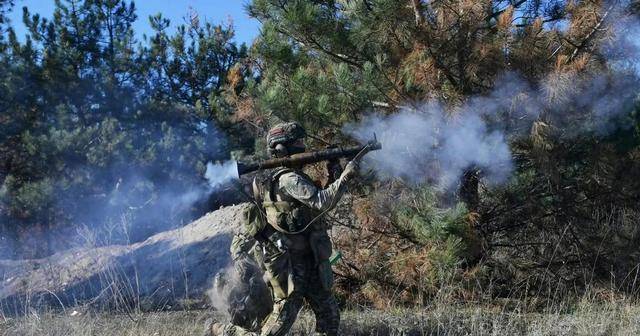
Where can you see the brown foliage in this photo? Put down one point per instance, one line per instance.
(387, 262)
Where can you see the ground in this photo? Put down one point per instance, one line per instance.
(589, 319)
(51, 296)
(161, 270)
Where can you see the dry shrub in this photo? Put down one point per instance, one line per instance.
(540, 132)
(418, 70)
(246, 111)
(582, 236)
(584, 16)
(558, 87)
(506, 18)
(235, 78)
(581, 63)
(403, 249)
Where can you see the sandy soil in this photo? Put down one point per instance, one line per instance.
(171, 265)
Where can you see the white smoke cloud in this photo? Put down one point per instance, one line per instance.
(435, 144)
(623, 49)
(466, 142)
(220, 173)
(220, 291)
(425, 145)
(217, 175)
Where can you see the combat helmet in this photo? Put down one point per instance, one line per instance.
(283, 138)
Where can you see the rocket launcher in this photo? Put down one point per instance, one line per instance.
(352, 152)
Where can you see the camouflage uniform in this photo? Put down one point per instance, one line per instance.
(295, 253)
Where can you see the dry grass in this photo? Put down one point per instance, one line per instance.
(585, 318)
(596, 312)
(152, 324)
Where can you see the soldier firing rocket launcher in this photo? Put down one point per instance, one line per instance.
(354, 153)
(280, 224)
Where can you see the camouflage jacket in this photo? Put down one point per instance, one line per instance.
(295, 185)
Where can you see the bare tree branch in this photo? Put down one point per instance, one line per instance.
(593, 31)
(418, 13)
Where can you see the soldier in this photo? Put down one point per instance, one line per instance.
(294, 243)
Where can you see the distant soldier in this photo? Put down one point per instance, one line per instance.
(294, 244)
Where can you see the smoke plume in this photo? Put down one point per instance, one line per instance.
(432, 143)
(220, 291)
(241, 294)
(426, 145)
(220, 173)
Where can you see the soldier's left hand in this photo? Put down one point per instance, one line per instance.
(350, 170)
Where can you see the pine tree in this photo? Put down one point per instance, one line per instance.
(327, 63)
(96, 123)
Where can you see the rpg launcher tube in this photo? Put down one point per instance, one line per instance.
(300, 159)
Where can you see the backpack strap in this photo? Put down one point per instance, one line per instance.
(270, 199)
(273, 179)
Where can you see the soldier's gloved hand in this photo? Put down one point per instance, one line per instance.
(350, 171)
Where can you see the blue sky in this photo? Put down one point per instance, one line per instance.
(215, 11)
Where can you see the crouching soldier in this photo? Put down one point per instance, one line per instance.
(293, 243)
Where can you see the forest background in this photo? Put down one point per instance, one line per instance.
(99, 127)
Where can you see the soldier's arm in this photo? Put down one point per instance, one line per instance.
(305, 191)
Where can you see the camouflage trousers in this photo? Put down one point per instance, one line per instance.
(300, 279)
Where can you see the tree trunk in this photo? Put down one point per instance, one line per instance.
(468, 191)
(416, 10)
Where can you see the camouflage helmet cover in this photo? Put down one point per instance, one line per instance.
(284, 134)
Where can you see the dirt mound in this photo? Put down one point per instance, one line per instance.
(168, 267)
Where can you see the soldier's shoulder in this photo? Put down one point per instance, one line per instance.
(292, 178)
(291, 174)
(297, 185)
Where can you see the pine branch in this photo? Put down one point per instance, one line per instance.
(497, 13)
(593, 31)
